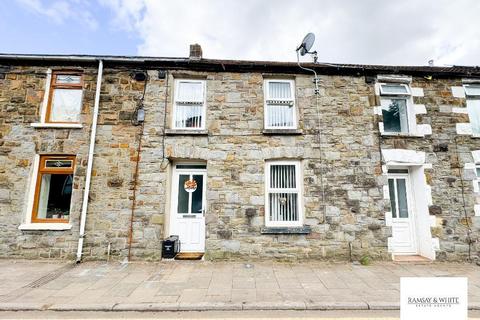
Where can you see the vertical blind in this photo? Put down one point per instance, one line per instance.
(190, 91)
(280, 110)
(189, 104)
(279, 90)
(283, 195)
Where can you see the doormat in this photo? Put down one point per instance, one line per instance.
(411, 258)
(189, 256)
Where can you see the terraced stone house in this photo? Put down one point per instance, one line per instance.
(105, 156)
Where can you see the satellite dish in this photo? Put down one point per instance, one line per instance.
(307, 44)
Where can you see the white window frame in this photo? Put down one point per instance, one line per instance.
(204, 104)
(44, 107)
(385, 93)
(471, 98)
(386, 99)
(476, 181)
(266, 85)
(470, 94)
(298, 190)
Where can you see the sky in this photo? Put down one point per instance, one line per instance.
(392, 32)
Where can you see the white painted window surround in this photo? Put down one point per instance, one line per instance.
(471, 92)
(475, 167)
(279, 104)
(45, 226)
(57, 125)
(283, 190)
(43, 110)
(415, 162)
(27, 224)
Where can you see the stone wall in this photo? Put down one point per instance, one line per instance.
(21, 94)
(453, 198)
(342, 154)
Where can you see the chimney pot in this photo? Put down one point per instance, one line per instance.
(195, 52)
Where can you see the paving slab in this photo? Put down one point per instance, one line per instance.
(203, 285)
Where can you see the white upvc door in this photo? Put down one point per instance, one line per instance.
(403, 218)
(188, 206)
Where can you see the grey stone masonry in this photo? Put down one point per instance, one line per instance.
(337, 141)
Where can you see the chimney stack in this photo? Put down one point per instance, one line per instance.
(195, 52)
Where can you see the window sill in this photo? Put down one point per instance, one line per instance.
(282, 131)
(402, 134)
(286, 230)
(57, 125)
(173, 132)
(45, 226)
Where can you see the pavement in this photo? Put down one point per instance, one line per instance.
(214, 286)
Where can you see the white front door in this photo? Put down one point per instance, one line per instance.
(188, 206)
(403, 219)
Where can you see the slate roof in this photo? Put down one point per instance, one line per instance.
(216, 65)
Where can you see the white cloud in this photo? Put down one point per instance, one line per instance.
(348, 31)
(61, 11)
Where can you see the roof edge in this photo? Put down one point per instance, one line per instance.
(219, 65)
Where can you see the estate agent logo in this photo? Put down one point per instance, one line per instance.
(433, 298)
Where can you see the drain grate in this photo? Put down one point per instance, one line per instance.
(35, 284)
(49, 277)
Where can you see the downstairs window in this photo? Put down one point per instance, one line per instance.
(283, 194)
(53, 191)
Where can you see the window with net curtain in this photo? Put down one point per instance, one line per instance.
(189, 107)
(65, 100)
(53, 191)
(283, 198)
(280, 110)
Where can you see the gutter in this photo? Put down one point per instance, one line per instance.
(216, 65)
(93, 133)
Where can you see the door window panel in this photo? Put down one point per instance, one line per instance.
(197, 195)
(402, 198)
(397, 188)
(391, 189)
(183, 196)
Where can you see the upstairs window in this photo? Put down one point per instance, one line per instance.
(477, 180)
(473, 106)
(395, 100)
(280, 110)
(189, 106)
(53, 191)
(283, 196)
(65, 100)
